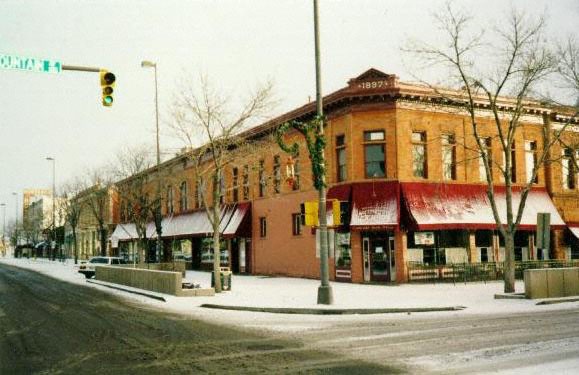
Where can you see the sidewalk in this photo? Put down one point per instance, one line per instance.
(258, 293)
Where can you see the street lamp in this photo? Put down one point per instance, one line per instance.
(150, 64)
(16, 219)
(53, 202)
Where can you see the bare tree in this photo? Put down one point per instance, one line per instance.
(134, 190)
(502, 72)
(70, 209)
(568, 69)
(98, 201)
(204, 121)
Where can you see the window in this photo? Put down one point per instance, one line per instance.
(262, 227)
(432, 256)
(262, 181)
(568, 169)
(199, 194)
(372, 136)
(245, 182)
(484, 255)
(341, 158)
(486, 144)
(276, 174)
(169, 203)
(296, 224)
(221, 191)
(448, 157)
(531, 160)
(419, 158)
(375, 164)
(183, 196)
(518, 254)
(235, 184)
(296, 182)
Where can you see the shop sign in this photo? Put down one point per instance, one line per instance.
(424, 238)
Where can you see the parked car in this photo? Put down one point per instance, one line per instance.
(186, 258)
(88, 268)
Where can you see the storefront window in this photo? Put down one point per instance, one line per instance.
(207, 251)
(343, 250)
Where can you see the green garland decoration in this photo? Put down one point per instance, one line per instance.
(315, 142)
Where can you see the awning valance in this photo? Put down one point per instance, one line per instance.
(374, 205)
(235, 220)
(128, 231)
(462, 206)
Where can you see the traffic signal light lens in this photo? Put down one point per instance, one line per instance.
(109, 78)
(108, 100)
(108, 90)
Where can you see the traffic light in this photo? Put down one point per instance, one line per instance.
(107, 84)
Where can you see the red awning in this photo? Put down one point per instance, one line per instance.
(340, 192)
(461, 206)
(574, 228)
(239, 224)
(375, 205)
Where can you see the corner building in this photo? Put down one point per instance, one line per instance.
(406, 163)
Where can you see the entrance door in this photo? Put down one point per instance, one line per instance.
(379, 259)
(235, 255)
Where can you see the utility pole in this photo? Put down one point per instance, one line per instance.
(3, 205)
(16, 234)
(325, 294)
(53, 205)
(159, 250)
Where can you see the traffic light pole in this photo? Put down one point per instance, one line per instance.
(81, 68)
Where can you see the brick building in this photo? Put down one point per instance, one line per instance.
(406, 163)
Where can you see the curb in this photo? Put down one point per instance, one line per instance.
(560, 300)
(145, 294)
(510, 296)
(314, 311)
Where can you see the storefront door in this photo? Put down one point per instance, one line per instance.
(379, 260)
(375, 249)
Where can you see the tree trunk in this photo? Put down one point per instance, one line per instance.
(509, 262)
(216, 251)
(74, 245)
(103, 240)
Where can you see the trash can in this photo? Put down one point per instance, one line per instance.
(225, 278)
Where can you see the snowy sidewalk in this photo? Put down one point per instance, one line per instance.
(284, 292)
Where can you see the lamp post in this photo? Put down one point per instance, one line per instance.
(325, 294)
(159, 250)
(53, 204)
(3, 205)
(16, 234)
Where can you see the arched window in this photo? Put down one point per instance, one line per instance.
(169, 203)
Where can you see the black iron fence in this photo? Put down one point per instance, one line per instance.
(463, 272)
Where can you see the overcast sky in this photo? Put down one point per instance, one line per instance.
(237, 44)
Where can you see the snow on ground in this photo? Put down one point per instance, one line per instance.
(259, 291)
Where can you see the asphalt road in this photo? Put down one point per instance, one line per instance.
(540, 342)
(51, 327)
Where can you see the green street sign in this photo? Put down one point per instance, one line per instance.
(30, 64)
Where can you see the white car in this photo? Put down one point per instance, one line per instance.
(88, 268)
